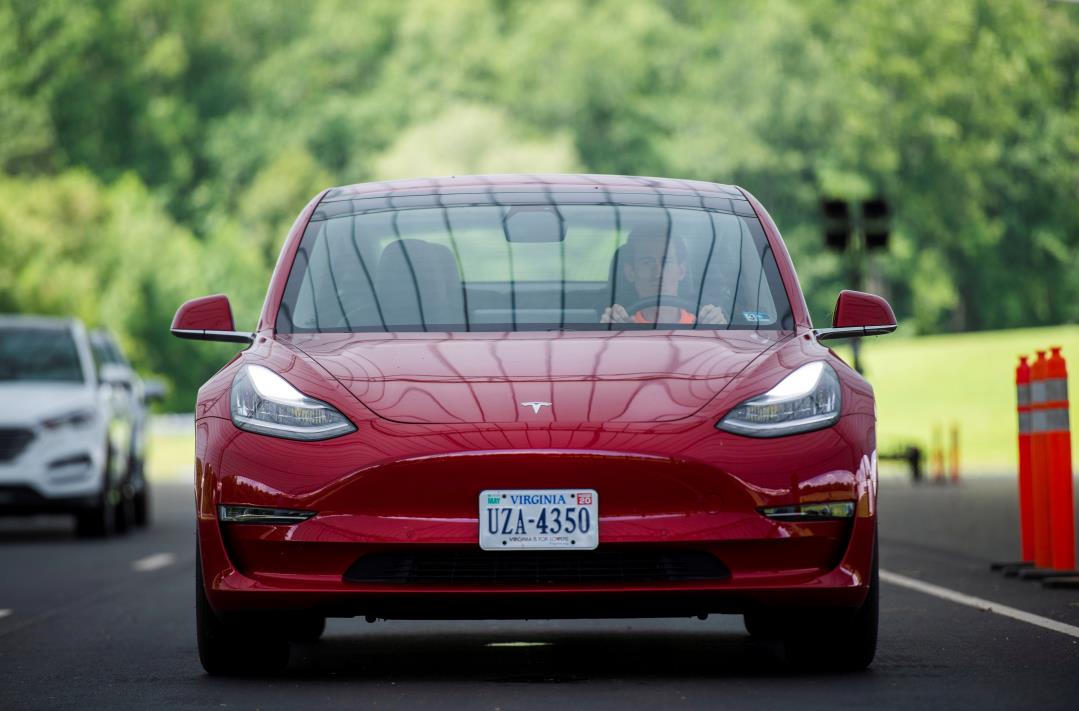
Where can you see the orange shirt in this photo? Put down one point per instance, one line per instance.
(683, 317)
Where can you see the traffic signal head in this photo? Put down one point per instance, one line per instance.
(837, 224)
(875, 214)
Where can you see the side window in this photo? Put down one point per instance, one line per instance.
(100, 352)
(116, 355)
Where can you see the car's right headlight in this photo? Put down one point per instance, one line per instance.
(807, 399)
(264, 402)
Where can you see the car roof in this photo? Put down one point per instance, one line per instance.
(511, 188)
(560, 181)
(102, 334)
(36, 321)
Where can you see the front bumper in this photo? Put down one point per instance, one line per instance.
(54, 472)
(426, 501)
(24, 500)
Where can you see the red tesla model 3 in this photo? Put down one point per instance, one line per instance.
(535, 397)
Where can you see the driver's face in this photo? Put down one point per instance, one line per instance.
(649, 273)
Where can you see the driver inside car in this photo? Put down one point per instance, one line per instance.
(656, 269)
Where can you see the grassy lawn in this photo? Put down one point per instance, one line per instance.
(966, 379)
(171, 457)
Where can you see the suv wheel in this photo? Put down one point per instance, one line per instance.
(98, 520)
(142, 506)
(125, 511)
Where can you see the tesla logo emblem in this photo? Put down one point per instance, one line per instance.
(535, 406)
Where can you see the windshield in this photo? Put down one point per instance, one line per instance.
(39, 354)
(532, 267)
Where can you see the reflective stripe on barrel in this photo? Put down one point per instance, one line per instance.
(1022, 394)
(1055, 420)
(1055, 390)
(1052, 413)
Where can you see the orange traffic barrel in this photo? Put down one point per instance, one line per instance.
(1026, 483)
(1058, 445)
(936, 455)
(953, 453)
(1039, 462)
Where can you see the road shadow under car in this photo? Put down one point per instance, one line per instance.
(550, 652)
(36, 529)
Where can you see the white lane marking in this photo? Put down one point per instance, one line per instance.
(4, 613)
(979, 603)
(154, 562)
(518, 644)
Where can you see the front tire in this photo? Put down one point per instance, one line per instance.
(840, 640)
(142, 506)
(307, 629)
(98, 520)
(235, 648)
(125, 512)
(763, 625)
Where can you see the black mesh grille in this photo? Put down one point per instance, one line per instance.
(466, 567)
(13, 442)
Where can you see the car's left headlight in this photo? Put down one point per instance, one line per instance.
(75, 418)
(807, 399)
(264, 402)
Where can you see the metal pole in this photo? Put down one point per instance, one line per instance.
(856, 267)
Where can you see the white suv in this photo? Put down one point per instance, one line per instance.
(59, 427)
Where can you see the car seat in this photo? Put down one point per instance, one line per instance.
(418, 284)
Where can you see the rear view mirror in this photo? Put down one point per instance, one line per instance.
(533, 223)
(859, 314)
(208, 318)
(113, 374)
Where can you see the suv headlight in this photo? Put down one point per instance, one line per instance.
(264, 402)
(807, 399)
(75, 418)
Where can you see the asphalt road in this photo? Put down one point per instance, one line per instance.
(111, 624)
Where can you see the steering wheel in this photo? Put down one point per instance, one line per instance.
(662, 300)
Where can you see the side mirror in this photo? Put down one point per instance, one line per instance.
(208, 318)
(113, 374)
(153, 390)
(858, 314)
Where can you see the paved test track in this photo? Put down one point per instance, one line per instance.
(110, 624)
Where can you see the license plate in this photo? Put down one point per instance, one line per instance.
(539, 519)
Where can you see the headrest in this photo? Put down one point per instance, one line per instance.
(418, 284)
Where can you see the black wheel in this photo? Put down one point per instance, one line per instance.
(840, 640)
(142, 506)
(98, 520)
(307, 629)
(764, 624)
(124, 511)
(237, 647)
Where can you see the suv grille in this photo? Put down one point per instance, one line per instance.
(466, 567)
(13, 442)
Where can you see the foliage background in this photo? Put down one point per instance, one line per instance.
(153, 150)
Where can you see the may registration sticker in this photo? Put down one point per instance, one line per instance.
(539, 519)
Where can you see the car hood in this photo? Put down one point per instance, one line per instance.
(568, 377)
(25, 404)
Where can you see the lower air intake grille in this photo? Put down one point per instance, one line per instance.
(13, 442)
(468, 567)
